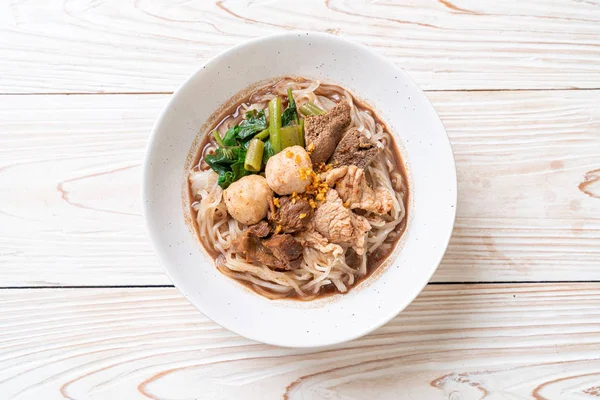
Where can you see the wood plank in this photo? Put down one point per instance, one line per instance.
(70, 176)
(529, 185)
(143, 46)
(528, 168)
(528, 341)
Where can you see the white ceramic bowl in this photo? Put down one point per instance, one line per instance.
(425, 150)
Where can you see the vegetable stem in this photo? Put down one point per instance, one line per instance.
(291, 103)
(254, 155)
(262, 135)
(301, 133)
(275, 124)
(218, 139)
(290, 136)
(309, 108)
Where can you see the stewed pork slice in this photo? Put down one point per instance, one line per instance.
(289, 215)
(279, 252)
(355, 192)
(286, 249)
(339, 224)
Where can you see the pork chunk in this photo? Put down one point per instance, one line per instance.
(279, 252)
(261, 230)
(286, 249)
(291, 216)
(339, 224)
(314, 239)
(352, 186)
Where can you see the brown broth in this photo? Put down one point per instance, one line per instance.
(374, 261)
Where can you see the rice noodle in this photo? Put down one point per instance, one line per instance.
(321, 266)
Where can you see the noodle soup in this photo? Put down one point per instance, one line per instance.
(299, 191)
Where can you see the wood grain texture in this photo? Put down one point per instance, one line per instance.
(70, 175)
(529, 185)
(149, 46)
(528, 169)
(454, 342)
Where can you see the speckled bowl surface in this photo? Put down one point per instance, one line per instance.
(424, 147)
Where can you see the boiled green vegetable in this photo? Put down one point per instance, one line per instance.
(268, 152)
(262, 135)
(230, 138)
(224, 149)
(229, 160)
(311, 109)
(228, 163)
(275, 124)
(290, 115)
(289, 136)
(254, 155)
(301, 133)
(254, 122)
(245, 130)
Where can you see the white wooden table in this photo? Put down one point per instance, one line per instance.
(513, 311)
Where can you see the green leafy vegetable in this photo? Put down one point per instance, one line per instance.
(228, 164)
(230, 138)
(267, 152)
(218, 139)
(238, 168)
(224, 149)
(254, 122)
(228, 161)
(290, 115)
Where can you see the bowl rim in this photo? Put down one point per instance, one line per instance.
(154, 237)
